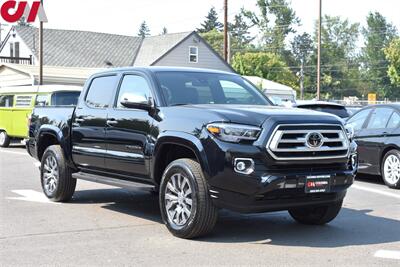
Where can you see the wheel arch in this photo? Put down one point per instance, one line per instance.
(49, 135)
(188, 145)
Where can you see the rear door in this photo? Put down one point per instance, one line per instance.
(89, 124)
(128, 131)
(372, 138)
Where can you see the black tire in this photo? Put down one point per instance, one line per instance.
(316, 215)
(4, 139)
(204, 214)
(65, 186)
(388, 182)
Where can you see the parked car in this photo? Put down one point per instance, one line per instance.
(204, 139)
(322, 106)
(16, 104)
(377, 133)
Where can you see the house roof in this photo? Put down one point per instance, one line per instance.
(90, 49)
(155, 47)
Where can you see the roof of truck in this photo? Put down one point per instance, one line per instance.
(39, 89)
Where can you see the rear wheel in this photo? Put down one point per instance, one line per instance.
(316, 215)
(4, 139)
(391, 169)
(56, 178)
(186, 207)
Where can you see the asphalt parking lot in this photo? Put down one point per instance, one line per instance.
(104, 225)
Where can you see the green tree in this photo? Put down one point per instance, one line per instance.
(164, 30)
(211, 22)
(340, 63)
(240, 31)
(377, 35)
(215, 39)
(266, 65)
(302, 48)
(276, 20)
(144, 30)
(393, 56)
(23, 22)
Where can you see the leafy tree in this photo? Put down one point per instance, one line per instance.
(240, 31)
(164, 31)
(340, 64)
(144, 30)
(302, 48)
(276, 19)
(215, 39)
(266, 65)
(211, 22)
(393, 56)
(377, 34)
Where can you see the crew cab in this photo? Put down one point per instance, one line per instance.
(203, 139)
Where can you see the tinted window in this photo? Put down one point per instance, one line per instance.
(357, 121)
(181, 88)
(6, 101)
(101, 92)
(65, 98)
(379, 118)
(335, 110)
(42, 100)
(135, 85)
(394, 121)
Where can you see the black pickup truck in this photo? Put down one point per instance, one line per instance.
(203, 139)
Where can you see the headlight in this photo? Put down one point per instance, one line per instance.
(233, 132)
(349, 131)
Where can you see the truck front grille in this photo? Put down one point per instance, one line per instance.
(307, 142)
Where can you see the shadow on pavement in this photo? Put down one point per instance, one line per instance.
(374, 179)
(351, 227)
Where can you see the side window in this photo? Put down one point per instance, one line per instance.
(394, 121)
(6, 101)
(101, 92)
(133, 85)
(357, 121)
(42, 100)
(379, 118)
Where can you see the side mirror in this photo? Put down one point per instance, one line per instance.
(137, 101)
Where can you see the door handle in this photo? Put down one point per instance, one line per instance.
(111, 122)
(79, 120)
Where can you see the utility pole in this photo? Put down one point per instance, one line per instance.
(319, 52)
(41, 51)
(302, 79)
(226, 30)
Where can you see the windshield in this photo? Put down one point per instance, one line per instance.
(183, 88)
(339, 111)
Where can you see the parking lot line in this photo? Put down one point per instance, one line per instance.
(31, 196)
(388, 254)
(13, 152)
(376, 191)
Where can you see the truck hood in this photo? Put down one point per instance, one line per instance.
(257, 115)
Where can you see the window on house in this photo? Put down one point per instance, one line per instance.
(11, 49)
(16, 49)
(193, 54)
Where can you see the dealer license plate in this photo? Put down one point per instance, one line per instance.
(318, 184)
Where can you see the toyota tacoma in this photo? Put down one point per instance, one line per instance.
(204, 140)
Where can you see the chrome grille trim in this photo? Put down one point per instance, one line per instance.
(335, 143)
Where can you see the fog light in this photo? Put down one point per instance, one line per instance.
(243, 166)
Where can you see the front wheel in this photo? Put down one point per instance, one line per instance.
(391, 169)
(56, 178)
(186, 207)
(4, 139)
(316, 215)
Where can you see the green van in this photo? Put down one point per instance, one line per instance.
(17, 103)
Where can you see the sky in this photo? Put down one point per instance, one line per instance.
(125, 16)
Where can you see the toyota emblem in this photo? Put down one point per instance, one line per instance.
(314, 140)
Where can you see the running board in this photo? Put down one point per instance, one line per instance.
(111, 181)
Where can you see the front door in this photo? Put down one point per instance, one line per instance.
(89, 124)
(128, 132)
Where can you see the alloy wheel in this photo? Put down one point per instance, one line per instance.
(178, 200)
(50, 174)
(2, 138)
(392, 169)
